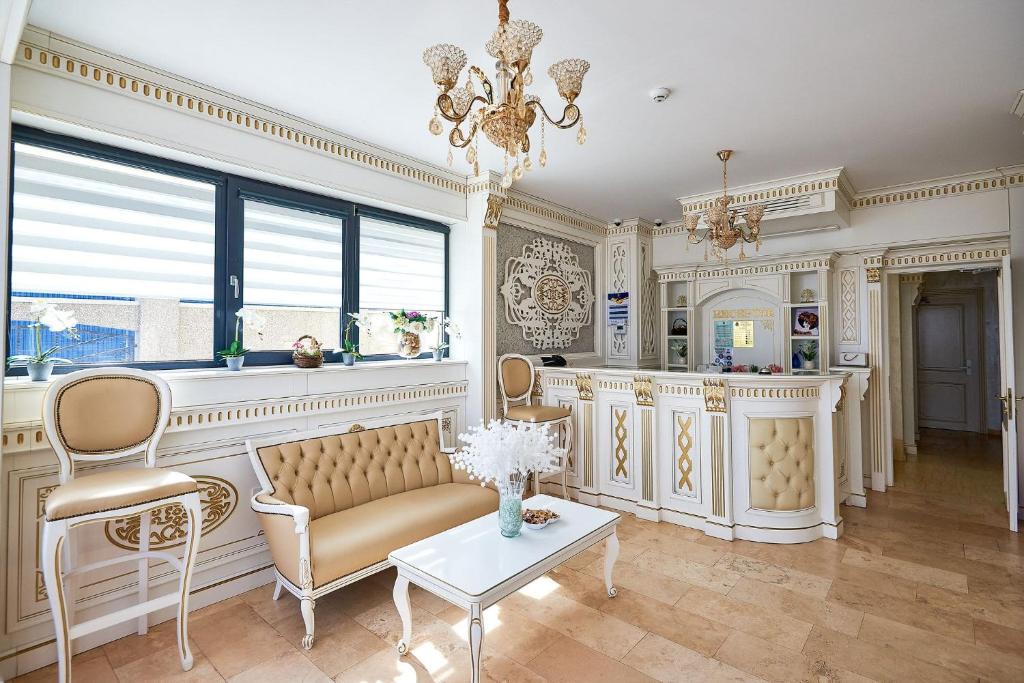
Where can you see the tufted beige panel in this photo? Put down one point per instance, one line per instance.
(334, 473)
(781, 463)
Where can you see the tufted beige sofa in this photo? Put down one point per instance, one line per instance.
(781, 463)
(335, 503)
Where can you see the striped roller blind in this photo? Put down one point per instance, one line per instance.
(400, 267)
(84, 227)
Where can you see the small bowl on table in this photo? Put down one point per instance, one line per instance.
(538, 519)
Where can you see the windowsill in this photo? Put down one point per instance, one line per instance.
(23, 383)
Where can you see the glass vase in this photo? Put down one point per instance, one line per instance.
(409, 345)
(510, 508)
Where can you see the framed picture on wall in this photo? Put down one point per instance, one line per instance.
(805, 321)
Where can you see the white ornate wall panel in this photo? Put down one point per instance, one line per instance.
(618, 281)
(849, 301)
(547, 294)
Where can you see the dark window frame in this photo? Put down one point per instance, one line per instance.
(231, 190)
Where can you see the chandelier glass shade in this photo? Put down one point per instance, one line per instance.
(505, 112)
(723, 225)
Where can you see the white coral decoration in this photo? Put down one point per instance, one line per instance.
(505, 452)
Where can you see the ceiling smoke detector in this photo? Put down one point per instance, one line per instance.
(660, 94)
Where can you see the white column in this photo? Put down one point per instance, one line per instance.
(474, 293)
(629, 257)
(1016, 210)
(878, 398)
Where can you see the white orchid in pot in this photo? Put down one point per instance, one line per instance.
(453, 330)
(234, 354)
(349, 351)
(40, 362)
(506, 454)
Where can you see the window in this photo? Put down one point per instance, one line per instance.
(292, 275)
(154, 258)
(400, 267)
(129, 251)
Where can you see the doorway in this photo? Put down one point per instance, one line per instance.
(950, 417)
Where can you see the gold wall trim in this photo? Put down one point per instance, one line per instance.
(680, 389)
(621, 435)
(684, 462)
(587, 440)
(958, 256)
(559, 215)
(692, 273)
(53, 61)
(785, 392)
(647, 454)
(938, 190)
(718, 466)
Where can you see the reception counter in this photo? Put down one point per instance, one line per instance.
(762, 458)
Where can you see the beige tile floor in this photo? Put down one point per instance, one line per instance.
(926, 585)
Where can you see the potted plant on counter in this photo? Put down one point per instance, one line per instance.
(234, 354)
(450, 328)
(40, 362)
(506, 454)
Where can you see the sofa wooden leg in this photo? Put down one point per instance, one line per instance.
(307, 617)
(277, 590)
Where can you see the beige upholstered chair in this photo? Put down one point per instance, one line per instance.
(515, 379)
(103, 414)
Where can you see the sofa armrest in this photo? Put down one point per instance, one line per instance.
(265, 503)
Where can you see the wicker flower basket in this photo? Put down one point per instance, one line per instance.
(302, 360)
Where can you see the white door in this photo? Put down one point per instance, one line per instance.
(948, 361)
(1009, 393)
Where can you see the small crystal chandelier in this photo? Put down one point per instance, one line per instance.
(723, 227)
(506, 116)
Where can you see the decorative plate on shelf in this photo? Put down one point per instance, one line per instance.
(538, 519)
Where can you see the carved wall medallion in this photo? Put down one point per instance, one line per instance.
(168, 525)
(547, 294)
(714, 395)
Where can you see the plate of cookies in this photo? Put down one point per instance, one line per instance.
(538, 519)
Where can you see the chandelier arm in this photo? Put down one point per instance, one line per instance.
(561, 123)
(446, 107)
(456, 138)
(485, 83)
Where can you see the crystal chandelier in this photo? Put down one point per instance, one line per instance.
(723, 225)
(504, 116)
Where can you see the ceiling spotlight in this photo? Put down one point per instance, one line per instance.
(660, 94)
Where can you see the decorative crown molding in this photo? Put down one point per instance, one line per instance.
(795, 186)
(986, 181)
(48, 52)
(762, 266)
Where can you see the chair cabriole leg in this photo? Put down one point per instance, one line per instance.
(307, 605)
(54, 535)
(193, 509)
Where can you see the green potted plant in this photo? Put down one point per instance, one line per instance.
(40, 362)
(234, 354)
(349, 351)
(808, 352)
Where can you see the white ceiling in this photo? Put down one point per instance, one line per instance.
(894, 91)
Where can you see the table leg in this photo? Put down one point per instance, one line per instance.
(611, 553)
(476, 638)
(401, 595)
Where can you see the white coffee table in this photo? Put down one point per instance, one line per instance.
(474, 566)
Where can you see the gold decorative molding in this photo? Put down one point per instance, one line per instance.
(778, 192)
(538, 385)
(492, 217)
(718, 466)
(698, 273)
(937, 189)
(135, 86)
(714, 395)
(940, 257)
(169, 523)
(586, 440)
(560, 214)
(680, 389)
(356, 428)
(621, 434)
(912, 279)
(584, 386)
(784, 392)
(684, 462)
(874, 275)
(642, 387)
(647, 455)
